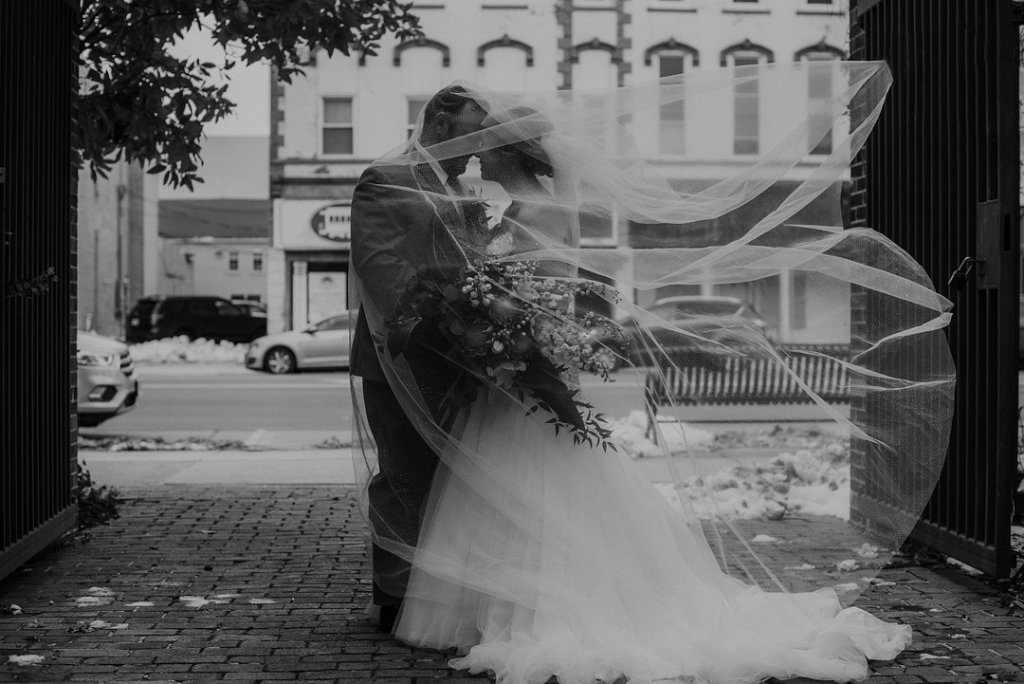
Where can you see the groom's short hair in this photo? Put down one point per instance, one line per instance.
(448, 100)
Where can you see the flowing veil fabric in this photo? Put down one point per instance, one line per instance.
(540, 557)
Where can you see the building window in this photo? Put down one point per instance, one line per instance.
(337, 129)
(597, 227)
(257, 261)
(819, 92)
(671, 115)
(746, 111)
(746, 96)
(232, 261)
(821, 74)
(415, 104)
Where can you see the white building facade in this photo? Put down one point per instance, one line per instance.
(215, 237)
(328, 126)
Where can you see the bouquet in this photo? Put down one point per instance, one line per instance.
(517, 330)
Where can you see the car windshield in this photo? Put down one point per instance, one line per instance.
(333, 323)
(227, 308)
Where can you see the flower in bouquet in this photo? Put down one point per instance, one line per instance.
(518, 331)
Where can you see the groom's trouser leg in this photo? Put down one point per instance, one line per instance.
(397, 491)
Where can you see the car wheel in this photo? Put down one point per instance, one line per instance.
(279, 361)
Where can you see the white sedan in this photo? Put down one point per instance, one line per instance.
(323, 344)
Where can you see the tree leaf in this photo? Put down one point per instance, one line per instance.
(140, 102)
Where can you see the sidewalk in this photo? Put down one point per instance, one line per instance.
(197, 583)
(283, 466)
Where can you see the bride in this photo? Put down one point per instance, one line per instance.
(544, 555)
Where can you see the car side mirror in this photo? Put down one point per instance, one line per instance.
(311, 330)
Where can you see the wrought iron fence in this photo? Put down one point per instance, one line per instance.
(37, 199)
(940, 176)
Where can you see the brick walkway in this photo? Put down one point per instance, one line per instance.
(268, 584)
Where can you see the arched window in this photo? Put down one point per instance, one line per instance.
(595, 67)
(821, 75)
(504, 42)
(820, 51)
(671, 47)
(504, 63)
(746, 96)
(596, 44)
(673, 59)
(422, 42)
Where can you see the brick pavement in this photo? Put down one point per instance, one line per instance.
(268, 584)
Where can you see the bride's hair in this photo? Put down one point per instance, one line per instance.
(528, 162)
(528, 155)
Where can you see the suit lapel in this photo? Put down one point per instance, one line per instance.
(443, 249)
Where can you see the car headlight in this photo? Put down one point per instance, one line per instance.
(94, 359)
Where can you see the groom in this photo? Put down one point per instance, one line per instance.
(395, 229)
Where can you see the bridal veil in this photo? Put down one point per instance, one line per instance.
(643, 225)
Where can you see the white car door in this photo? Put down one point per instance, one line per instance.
(328, 345)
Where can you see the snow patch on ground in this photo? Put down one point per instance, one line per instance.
(119, 443)
(24, 660)
(94, 625)
(183, 350)
(197, 601)
(963, 567)
(216, 599)
(628, 433)
(95, 596)
(764, 539)
(813, 482)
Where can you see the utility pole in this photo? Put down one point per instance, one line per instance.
(120, 294)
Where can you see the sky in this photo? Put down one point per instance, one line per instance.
(249, 88)
(228, 173)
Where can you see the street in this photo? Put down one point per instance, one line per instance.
(197, 400)
(219, 397)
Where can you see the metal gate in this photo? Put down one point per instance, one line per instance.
(37, 317)
(944, 155)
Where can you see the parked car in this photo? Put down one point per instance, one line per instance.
(192, 316)
(324, 344)
(107, 385)
(718, 326)
(250, 307)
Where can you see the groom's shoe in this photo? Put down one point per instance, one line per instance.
(388, 615)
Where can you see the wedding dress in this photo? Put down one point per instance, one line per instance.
(620, 585)
(538, 556)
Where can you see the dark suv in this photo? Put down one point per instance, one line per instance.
(193, 316)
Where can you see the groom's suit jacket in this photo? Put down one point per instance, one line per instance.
(395, 229)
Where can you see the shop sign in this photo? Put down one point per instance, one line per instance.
(333, 222)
